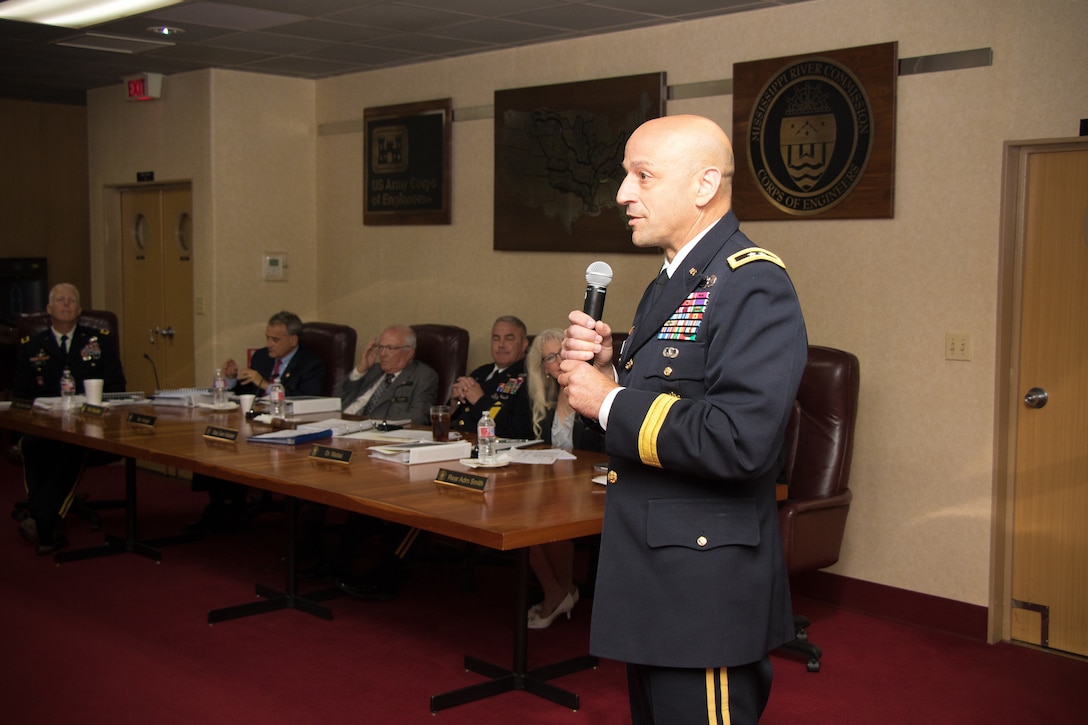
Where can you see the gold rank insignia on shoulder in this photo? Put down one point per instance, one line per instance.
(103, 331)
(753, 254)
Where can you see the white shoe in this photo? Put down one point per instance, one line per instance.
(538, 622)
(535, 609)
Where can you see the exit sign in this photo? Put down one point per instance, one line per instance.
(143, 86)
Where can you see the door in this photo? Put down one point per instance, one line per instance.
(157, 273)
(1050, 499)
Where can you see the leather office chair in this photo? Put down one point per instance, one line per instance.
(32, 323)
(819, 446)
(445, 349)
(335, 345)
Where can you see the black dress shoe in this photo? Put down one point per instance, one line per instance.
(28, 529)
(372, 588)
(59, 542)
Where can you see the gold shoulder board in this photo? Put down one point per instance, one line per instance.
(752, 254)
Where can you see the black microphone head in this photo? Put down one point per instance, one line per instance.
(599, 274)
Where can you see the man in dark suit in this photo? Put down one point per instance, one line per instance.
(691, 588)
(389, 383)
(299, 371)
(499, 386)
(51, 469)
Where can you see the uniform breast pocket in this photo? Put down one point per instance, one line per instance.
(702, 524)
(680, 369)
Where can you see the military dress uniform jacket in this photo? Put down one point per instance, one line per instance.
(410, 396)
(691, 571)
(506, 397)
(305, 374)
(41, 363)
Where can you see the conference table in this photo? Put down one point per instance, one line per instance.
(521, 505)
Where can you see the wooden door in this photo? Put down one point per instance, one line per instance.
(1050, 500)
(157, 285)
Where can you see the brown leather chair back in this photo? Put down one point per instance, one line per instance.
(31, 323)
(333, 343)
(445, 349)
(819, 447)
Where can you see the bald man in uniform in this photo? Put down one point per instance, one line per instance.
(692, 589)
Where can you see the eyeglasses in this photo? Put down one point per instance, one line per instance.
(390, 348)
(549, 359)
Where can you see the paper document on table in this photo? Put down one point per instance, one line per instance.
(421, 451)
(545, 457)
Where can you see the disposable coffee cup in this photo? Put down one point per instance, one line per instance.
(440, 422)
(92, 388)
(245, 402)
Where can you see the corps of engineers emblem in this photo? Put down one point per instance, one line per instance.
(810, 136)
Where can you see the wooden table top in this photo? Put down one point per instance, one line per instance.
(522, 505)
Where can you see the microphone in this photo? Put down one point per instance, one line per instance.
(154, 370)
(598, 277)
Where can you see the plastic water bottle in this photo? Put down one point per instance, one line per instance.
(67, 389)
(219, 388)
(485, 439)
(275, 400)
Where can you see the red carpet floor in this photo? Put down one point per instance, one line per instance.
(122, 640)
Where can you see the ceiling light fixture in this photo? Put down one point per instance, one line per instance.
(77, 13)
(165, 30)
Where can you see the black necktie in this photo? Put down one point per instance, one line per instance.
(382, 386)
(659, 284)
(64, 344)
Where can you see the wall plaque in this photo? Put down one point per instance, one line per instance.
(814, 135)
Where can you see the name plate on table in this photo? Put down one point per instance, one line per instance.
(334, 455)
(216, 433)
(92, 409)
(142, 419)
(22, 405)
(460, 478)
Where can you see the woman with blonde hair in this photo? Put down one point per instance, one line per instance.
(554, 422)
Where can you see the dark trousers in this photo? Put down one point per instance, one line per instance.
(51, 470)
(718, 696)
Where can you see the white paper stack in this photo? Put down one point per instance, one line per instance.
(422, 452)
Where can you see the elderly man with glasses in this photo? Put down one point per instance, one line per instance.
(389, 383)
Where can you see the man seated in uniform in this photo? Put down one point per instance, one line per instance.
(389, 383)
(300, 371)
(499, 386)
(51, 468)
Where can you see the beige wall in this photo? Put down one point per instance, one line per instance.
(43, 188)
(251, 162)
(887, 290)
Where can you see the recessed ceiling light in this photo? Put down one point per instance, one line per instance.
(77, 13)
(165, 30)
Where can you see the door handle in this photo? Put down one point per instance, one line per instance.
(168, 332)
(151, 334)
(1035, 398)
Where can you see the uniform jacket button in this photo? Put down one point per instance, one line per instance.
(701, 541)
(612, 477)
